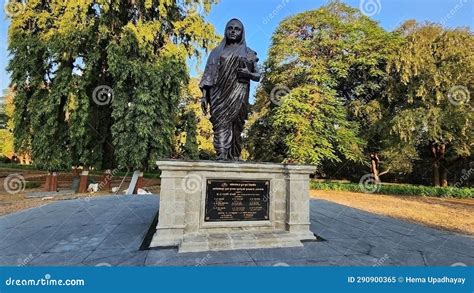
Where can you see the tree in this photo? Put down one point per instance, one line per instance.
(325, 68)
(432, 76)
(102, 79)
(148, 64)
(194, 134)
(190, 148)
(6, 112)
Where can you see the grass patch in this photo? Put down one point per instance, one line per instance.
(32, 184)
(398, 189)
(16, 166)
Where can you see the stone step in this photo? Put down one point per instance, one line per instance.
(238, 240)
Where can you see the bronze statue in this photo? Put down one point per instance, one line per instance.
(225, 86)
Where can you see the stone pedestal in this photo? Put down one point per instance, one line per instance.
(183, 208)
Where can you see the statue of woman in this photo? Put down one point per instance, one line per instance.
(225, 86)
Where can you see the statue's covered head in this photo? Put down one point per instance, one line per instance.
(233, 44)
(234, 32)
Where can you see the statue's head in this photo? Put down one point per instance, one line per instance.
(234, 31)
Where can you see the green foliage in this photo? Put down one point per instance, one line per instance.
(190, 148)
(148, 108)
(326, 59)
(194, 131)
(6, 113)
(313, 127)
(11, 165)
(62, 51)
(399, 189)
(336, 88)
(340, 88)
(32, 184)
(4, 159)
(432, 74)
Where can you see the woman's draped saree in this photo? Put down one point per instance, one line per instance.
(228, 95)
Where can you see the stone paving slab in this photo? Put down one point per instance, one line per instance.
(171, 257)
(108, 231)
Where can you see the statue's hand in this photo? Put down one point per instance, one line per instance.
(244, 73)
(204, 105)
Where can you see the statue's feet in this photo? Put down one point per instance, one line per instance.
(222, 158)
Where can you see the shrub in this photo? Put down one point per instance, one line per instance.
(398, 189)
(5, 159)
(32, 184)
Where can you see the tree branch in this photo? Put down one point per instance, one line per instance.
(384, 172)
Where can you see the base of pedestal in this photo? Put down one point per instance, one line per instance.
(238, 240)
(210, 206)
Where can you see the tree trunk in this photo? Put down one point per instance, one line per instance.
(106, 183)
(440, 171)
(443, 172)
(435, 172)
(443, 176)
(374, 166)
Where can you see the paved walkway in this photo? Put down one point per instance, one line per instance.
(108, 231)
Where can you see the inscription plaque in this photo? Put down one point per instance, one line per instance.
(237, 200)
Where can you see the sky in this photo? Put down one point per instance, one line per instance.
(261, 18)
